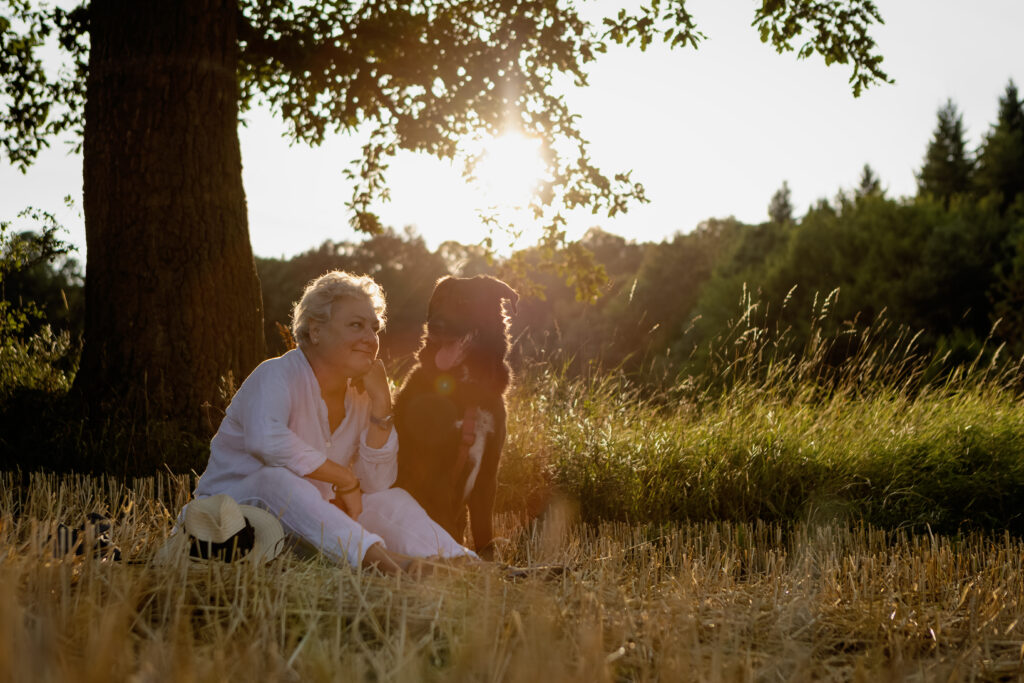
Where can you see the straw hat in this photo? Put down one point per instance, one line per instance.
(216, 527)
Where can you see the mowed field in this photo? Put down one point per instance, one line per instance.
(708, 601)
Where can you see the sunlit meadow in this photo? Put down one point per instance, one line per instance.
(785, 517)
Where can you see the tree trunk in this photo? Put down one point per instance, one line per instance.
(173, 304)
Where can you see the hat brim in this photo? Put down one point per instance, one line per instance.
(268, 542)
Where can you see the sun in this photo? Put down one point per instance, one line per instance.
(508, 171)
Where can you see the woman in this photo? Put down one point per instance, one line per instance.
(309, 437)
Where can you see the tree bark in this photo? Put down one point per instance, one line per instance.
(173, 303)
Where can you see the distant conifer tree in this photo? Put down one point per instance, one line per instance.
(780, 209)
(1001, 158)
(948, 167)
(870, 185)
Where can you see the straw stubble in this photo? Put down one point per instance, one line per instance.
(699, 601)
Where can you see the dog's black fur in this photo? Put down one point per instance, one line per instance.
(432, 405)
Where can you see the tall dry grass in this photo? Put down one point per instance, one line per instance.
(697, 601)
(843, 423)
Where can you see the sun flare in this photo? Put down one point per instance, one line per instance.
(509, 171)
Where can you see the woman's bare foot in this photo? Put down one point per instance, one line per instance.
(420, 568)
(377, 557)
(380, 558)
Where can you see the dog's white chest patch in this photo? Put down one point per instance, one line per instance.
(484, 426)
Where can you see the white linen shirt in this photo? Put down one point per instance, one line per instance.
(279, 419)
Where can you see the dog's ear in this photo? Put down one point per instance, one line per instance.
(438, 287)
(506, 292)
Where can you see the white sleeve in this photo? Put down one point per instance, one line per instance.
(376, 468)
(264, 412)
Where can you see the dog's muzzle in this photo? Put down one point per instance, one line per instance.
(452, 342)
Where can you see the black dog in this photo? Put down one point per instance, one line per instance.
(450, 413)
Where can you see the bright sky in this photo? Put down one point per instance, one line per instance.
(710, 133)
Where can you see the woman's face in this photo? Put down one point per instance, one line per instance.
(348, 341)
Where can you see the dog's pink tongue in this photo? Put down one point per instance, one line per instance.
(449, 355)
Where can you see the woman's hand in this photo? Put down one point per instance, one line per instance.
(350, 503)
(340, 478)
(375, 384)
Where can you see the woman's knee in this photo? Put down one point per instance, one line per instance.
(393, 497)
(273, 478)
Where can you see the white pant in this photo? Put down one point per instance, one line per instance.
(391, 517)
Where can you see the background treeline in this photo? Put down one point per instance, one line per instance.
(946, 264)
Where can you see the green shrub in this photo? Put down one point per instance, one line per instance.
(37, 363)
(34, 356)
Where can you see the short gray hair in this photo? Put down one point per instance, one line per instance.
(322, 292)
